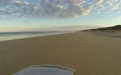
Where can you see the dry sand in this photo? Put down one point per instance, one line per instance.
(87, 53)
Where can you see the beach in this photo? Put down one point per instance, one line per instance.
(87, 53)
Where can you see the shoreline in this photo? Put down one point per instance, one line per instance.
(18, 37)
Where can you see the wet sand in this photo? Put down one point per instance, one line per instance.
(87, 53)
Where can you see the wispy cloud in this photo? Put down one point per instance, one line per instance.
(66, 28)
(114, 4)
(12, 27)
(53, 9)
(119, 17)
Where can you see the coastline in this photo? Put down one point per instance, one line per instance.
(17, 37)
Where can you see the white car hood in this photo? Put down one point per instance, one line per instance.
(43, 71)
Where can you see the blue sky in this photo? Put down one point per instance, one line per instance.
(65, 15)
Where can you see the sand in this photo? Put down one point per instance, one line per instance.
(87, 53)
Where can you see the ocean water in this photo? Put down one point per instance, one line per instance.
(4, 36)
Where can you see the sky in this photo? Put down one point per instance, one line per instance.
(58, 15)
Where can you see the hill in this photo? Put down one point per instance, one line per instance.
(116, 27)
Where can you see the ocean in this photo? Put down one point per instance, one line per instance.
(4, 36)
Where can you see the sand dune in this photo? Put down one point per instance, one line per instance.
(113, 33)
(87, 53)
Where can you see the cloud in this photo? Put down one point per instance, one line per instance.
(65, 28)
(114, 4)
(98, 1)
(53, 9)
(25, 21)
(119, 17)
(12, 27)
